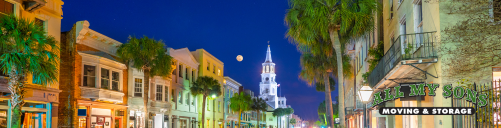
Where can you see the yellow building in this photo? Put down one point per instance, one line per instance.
(412, 31)
(41, 102)
(214, 110)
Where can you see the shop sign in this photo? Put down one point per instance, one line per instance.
(419, 90)
(41, 95)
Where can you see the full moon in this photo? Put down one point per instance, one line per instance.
(240, 58)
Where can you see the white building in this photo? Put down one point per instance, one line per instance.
(184, 106)
(268, 85)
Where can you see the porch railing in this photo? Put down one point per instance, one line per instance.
(485, 117)
(405, 47)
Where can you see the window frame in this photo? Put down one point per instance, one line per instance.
(161, 92)
(142, 87)
(100, 66)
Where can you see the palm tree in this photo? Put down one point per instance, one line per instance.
(292, 121)
(309, 20)
(205, 86)
(240, 102)
(26, 51)
(148, 55)
(287, 112)
(279, 112)
(259, 105)
(316, 68)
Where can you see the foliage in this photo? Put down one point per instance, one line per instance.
(311, 20)
(149, 56)
(259, 105)
(320, 86)
(471, 42)
(146, 53)
(240, 102)
(375, 55)
(26, 51)
(292, 121)
(314, 66)
(322, 112)
(205, 86)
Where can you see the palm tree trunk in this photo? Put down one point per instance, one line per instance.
(328, 99)
(239, 117)
(204, 102)
(17, 89)
(333, 32)
(146, 87)
(258, 118)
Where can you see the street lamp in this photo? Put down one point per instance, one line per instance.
(365, 95)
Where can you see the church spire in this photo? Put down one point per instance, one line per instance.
(268, 55)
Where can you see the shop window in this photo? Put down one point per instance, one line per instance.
(138, 87)
(166, 93)
(6, 8)
(105, 78)
(115, 79)
(159, 92)
(89, 79)
(496, 74)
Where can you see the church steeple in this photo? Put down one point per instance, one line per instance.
(268, 55)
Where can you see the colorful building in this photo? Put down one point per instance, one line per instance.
(214, 110)
(184, 110)
(92, 73)
(231, 87)
(42, 102)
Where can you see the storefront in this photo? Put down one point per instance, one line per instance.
(38, 110)
(100, 115)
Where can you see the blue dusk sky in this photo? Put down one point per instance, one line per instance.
(225, 28)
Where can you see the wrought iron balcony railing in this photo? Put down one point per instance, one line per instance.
(405, 47)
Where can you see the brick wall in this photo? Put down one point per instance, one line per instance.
(67, 116)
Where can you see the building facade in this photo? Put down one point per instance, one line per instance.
(159, 100)
(214, 110)
(42, 102)
(184, 110)
(231, 87)
(92, 73)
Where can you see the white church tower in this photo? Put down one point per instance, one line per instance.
(268, 85)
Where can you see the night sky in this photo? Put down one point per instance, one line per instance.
(225, 28)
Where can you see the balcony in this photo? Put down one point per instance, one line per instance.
(102, 94)
(407, 59)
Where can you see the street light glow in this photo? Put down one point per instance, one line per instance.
(213, 95)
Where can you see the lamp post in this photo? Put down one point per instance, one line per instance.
(365, 94)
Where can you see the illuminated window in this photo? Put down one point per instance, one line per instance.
(159, 93)
(138, 87)
(219, 72)
(496, 74)
(267, 68)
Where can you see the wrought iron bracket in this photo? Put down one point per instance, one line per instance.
(422, 71)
